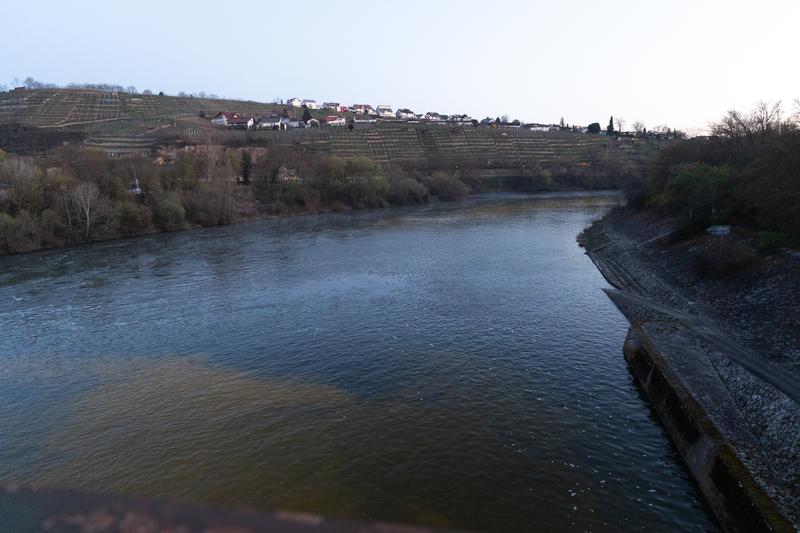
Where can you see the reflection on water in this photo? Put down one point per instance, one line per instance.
(453, 365)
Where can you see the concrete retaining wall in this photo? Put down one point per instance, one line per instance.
(737, 500)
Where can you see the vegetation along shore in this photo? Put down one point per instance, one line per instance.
(167, 167)
(706, 269)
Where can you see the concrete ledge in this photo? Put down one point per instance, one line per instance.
(737, 500)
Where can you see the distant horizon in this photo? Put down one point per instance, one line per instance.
(681, 65)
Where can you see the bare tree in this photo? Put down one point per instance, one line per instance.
(638, 126)
(796, 114)
(89, 206)
(620, 123)
(763, 119)
(766, 117)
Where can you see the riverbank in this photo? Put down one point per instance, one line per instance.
(249, 211)
(715, 344)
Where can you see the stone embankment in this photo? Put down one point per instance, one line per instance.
(718, 362)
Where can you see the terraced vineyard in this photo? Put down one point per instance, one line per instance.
(404, 143)
(132, 113)
(482, 147)
(125, 124)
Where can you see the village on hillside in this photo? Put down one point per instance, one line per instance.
(308, 113)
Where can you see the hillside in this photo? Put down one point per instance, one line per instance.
(402, 142)
(92, 110)
(125, 123)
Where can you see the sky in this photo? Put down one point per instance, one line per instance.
(677, 63)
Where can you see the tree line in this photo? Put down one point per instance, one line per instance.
(747, 173)
(73, 193)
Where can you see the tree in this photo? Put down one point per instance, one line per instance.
(610, 127)
(620, 124)
(247, 165)
(561, 122)
(594, 127)
(638, 126)
(504, 118)
(88, 205)
(306, 114)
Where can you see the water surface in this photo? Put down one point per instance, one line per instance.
(455, 365)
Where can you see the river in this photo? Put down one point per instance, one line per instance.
(455, 365)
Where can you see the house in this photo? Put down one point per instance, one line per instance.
(241, 122)
(289, 123)
(271, 122)
(335, 120)
(539, 127)
(434, 117)
(310, 104)
(460, 119)
(294, 102)
(406, 114)
(336, 107)
(384, 111)
(362, 109)
(222, 118)
(233, 120)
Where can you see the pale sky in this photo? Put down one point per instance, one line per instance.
(675, 62)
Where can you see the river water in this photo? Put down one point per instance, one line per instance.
(455, 365)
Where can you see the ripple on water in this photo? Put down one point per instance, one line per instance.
(454, 365)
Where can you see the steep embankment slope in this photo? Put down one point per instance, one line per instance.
(720, 366)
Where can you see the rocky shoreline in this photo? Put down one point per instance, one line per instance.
(729, 350)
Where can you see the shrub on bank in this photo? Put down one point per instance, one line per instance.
(133, 219)
(407, 191)
(445, 186)
(19, 233)
(724, 259)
